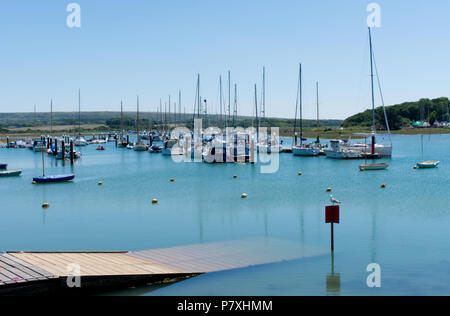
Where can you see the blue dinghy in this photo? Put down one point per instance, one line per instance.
(54, 179)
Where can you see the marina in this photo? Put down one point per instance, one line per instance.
(224, 155)
(203, 205)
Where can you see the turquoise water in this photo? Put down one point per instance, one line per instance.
(404, 228)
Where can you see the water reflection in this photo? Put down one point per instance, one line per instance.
(333, 280)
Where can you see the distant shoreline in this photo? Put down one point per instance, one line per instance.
(324, 133)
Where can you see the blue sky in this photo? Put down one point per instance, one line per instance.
(154, 48)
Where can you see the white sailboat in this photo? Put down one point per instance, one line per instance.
(302, 149)
(139, 146)
(80, 140)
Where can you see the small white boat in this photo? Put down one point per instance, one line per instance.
(80, 141)
(428, 164)
(377, 166)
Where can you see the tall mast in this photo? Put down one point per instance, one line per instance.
(199, 101)
(121, 118)
(256, 111)
(296, 110)
(264, 93)
(179, 106)
(79, 111)
(301, 105)
(235, 107)
(318, 120)
(229, 95)
(51, 116)
(373, 93)
(137, 122)
(220, 103)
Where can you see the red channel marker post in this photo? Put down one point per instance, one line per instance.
(332, 217)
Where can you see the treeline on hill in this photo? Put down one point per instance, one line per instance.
(112, 120)
(214, 120)
(404, 114)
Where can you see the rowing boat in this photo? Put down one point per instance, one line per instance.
(10, 173)
(377, 166)
(428, 164)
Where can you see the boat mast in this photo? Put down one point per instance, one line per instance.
(296, 110)
(79, 111)
(51, 117)
(221, 103)
(373, 93)
(264, 94)
(121, 119)
(256, 111)
(229, 96)
(137, 122)
(318, 120)
(179, 106)
(301, 105)
(235, 107)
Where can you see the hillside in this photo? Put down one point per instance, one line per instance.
(403, 114)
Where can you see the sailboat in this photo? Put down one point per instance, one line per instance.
(122, 140)
(376, 150)
(52, 179)
(139, 146)
(80, 140)
(373, 154)
(426, 164)
(301, 149)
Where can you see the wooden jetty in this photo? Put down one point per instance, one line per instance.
(47, 273)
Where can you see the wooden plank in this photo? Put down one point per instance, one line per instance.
(22, 268)
(30, 266)
(20, 275)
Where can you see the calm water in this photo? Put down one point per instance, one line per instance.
(404, 228)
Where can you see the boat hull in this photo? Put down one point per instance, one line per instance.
(305, 152)
(11, 173)
(370, 167)
(428, 164)
(54, 179)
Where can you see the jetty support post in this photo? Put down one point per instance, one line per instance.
(63, 149)
(71, 152)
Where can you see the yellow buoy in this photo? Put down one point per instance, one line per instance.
(155, 201)
(383, 185)
(45, 205)
(300, 173)
(172, 180)
(244, 195)
(329, 189)
(100, 183)
(415, 167)
(34, 182)
(235, 176)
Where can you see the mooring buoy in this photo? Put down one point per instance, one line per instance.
(244, 195)
(329, 189)
(155, 201)
(45, 205)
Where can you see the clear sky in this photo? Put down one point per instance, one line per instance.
(154, 48)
